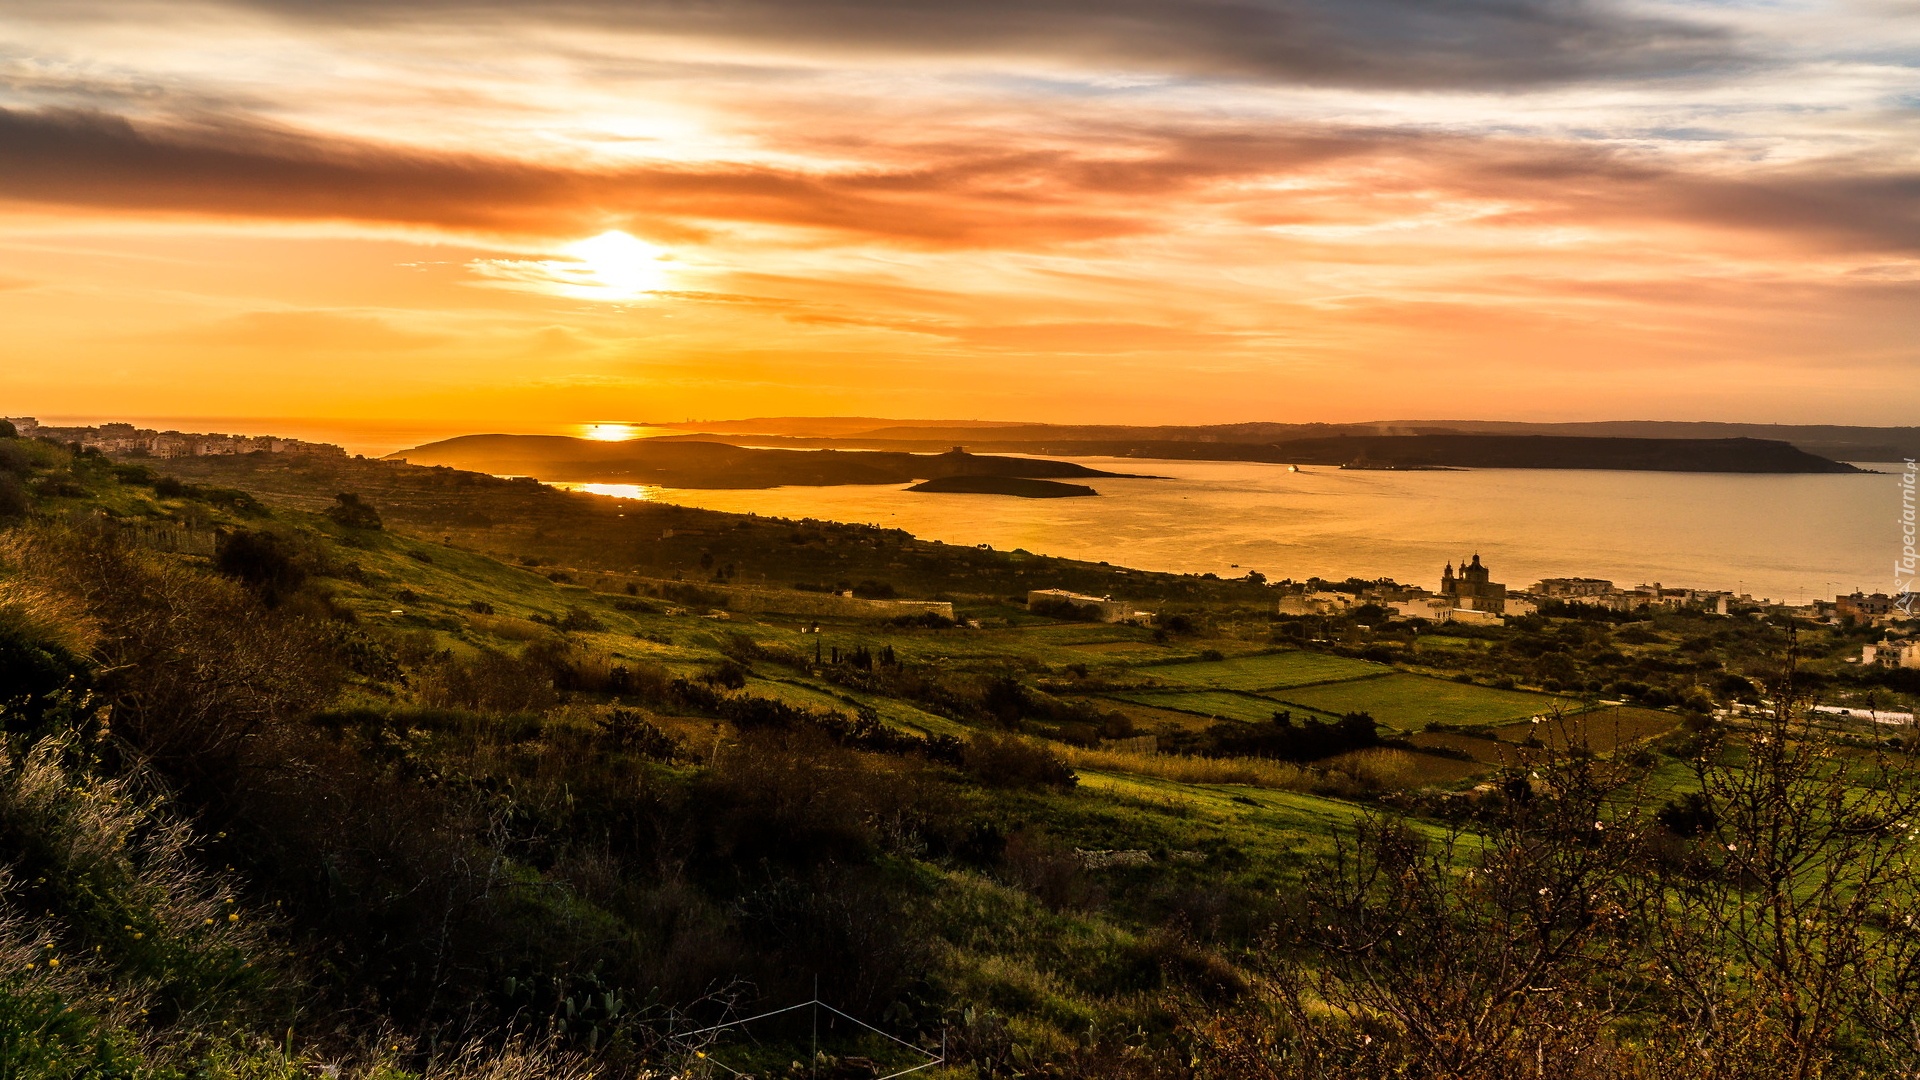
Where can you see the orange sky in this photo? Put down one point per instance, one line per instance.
(1124, 210)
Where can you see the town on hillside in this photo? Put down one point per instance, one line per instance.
(131, 441)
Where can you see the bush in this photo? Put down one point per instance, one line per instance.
(14, 502)
(261, 561)
(1012, 762)
(1689, 816)
(728, 675)
(1282, 739)
(351, 512)
(193, 665)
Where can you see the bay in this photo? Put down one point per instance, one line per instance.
(1788, 538)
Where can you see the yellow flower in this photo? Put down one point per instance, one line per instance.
(233, 918)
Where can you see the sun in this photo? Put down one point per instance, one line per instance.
(617, 264)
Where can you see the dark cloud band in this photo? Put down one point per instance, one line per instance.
(1385, 43)
(983, 195)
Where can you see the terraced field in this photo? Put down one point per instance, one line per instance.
(1603, 730)
(1219, 705)
(1409, 702)
(1265, 672)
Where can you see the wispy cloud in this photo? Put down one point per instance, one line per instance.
(881, 199)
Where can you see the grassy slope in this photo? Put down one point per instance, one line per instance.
(429, 588)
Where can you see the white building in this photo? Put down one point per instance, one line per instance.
(1892, 654)
(1104, 608)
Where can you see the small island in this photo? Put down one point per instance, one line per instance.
(1004, 485)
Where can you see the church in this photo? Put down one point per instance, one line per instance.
(1472, 589)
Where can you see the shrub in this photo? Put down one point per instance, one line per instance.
(14, 502)
(351, 512)
(42, 641)
(261, 561)
(1050, 874)
(192, 664)
(728, 675)
(490, 681)
(1689, 815)
(1012, 762)
(632, 732)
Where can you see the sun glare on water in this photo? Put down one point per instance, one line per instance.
(643, 492)
(609, 432)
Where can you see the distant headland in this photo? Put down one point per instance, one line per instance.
(1004, 485)
(676, 461)
(1348, 446)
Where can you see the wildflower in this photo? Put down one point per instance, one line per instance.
(209, 922)
(235, 917)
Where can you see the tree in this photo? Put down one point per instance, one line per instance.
(263, 562)
(350, 511)
(1786, 928)
(1483, 954)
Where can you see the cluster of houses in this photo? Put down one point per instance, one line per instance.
(127, 439)
(1468, 594)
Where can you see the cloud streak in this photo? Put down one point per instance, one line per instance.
(1378, 43)
(965, 196)
(864, 201)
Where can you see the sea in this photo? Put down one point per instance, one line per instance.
(1784, 538)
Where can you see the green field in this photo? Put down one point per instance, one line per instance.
(1410, 702)
(1603, 730)
(1266, 672)
(1217, 704)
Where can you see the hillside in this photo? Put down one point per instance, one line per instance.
(674, 462)
(397, 771)
(1249, 441)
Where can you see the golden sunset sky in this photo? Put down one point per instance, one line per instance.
(1185, 211)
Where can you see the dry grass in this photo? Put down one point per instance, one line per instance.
(1376, 768)
(1253, 772)
(30, 612)
(509, 628)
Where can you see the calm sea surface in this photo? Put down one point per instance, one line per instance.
(1785, 537)
(1789, 538)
